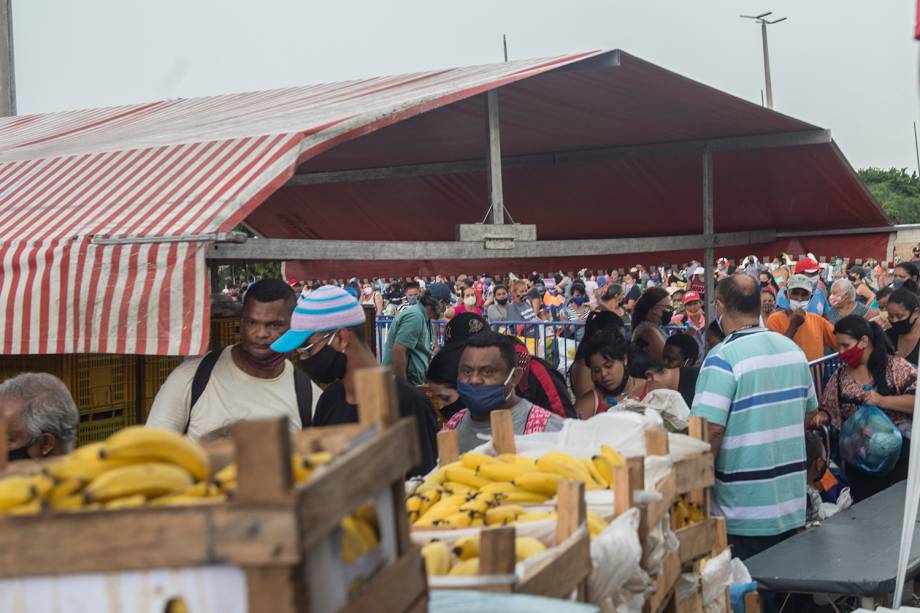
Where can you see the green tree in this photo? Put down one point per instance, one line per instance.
(896, 190)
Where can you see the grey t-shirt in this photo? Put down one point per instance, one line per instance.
(468, 429)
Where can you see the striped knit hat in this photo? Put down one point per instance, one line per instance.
(325, 309)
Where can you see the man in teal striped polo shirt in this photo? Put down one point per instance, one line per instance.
(754, 390)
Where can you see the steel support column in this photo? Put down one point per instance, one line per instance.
(494, 158)
(709, 263)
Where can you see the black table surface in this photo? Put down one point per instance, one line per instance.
(854, 552)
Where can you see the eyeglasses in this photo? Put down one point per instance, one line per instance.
(307, 350)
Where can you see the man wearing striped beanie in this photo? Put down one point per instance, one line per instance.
(328, 333)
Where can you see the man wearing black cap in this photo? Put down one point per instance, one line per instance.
(410, 340)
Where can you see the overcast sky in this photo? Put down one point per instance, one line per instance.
(847, 65)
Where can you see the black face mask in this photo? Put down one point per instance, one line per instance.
(502, 301)
(326, 366)
(900, 328)
(20, 454)
(666, 316)
(448, 410)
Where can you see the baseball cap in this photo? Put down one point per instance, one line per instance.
(463, 326)
(799, 282)
(806, 265)
(692, 297)
(292, 282)
(328, 308)
(441, 291)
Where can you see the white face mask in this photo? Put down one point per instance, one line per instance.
(795, 305)
(470, 301)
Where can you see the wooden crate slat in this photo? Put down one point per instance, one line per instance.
(562, 574)
(692, 603)
(696, 541)
(694, 473)
(253, 536)
(665, 582)
(395, 588)
(381, 461)
(656, 510)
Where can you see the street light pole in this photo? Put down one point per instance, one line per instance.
(766, 51)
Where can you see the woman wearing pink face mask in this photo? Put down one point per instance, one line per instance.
(843, 302)
(868, 360)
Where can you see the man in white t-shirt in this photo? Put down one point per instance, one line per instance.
(590, 287)
(244, 381)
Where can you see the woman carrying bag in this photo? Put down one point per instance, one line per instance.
(873, 375)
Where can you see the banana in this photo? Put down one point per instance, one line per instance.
(498, 487)
(317, 458)
(490, 498)
(440, 510)
(457, 488)
(596, 523)
(545, 483)
(181, 500)
(615, 458)
(475, 460)
(466, 568)
(466, 476)
(595, 474)
(149, 478)
(143, 444)
(513, 458)
(413, 517)
(524, 497)
(65, 488)
(437, 558)
(413, 504)
(83, 464)
(527, 547)
(225, 475)
(300, 468)
(533, 516)
(500, 471)
(16, 490)
(502, 515)
(564, 465)
(74, 502)
(604, 467)
(33, 507)
(477, 522)
(367, 533)
(127, 502)
(476, 505)
(460, 519)
(680, 514)
(467, 547)
(427, 487)
(352, 542)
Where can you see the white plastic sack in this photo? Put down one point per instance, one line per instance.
(616, 556)
(716, 577)
(686, 585)
(671, 406)
(740, 573)
(661, 541)
(829, 509)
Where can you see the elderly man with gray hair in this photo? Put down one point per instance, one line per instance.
(41, 417)
(843, 302)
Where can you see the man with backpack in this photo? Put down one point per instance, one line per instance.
(244, 381)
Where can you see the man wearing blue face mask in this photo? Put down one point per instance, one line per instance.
(486, 380)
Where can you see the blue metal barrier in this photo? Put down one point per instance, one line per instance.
(821, 371)
(554, 341)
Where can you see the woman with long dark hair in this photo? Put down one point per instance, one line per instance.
(607, 355)
(652, 312)
(869, 361)
(597, 322)
(904, 319)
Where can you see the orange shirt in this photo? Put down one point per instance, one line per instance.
(812, 337)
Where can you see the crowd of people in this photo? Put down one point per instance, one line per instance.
(746, 372)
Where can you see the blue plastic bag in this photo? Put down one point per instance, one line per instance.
(870, 441)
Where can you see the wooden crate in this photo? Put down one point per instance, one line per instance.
(272, 530)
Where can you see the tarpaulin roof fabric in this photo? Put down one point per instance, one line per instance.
(169, 169)
(197, 166)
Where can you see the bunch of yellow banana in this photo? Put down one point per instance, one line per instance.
(465, 493)
(685, 513)
(360, 533)
(463, 558)
(302, 467)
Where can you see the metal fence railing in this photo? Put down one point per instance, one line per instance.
(821, 371)
(554, 341)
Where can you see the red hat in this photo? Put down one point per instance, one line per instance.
(806, 265)
(692, 297)
(292, 282)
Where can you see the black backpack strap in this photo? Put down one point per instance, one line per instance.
(303, 389)
(200, 381)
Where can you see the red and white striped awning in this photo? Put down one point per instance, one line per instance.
(169, 169)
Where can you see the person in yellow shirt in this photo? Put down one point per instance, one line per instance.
(812, 333)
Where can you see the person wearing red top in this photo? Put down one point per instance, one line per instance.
(607, 355)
